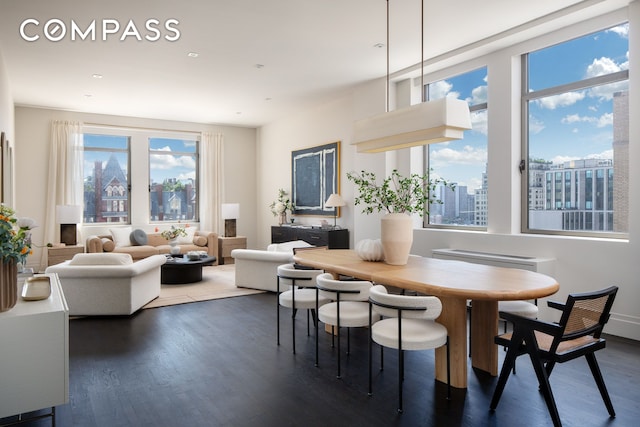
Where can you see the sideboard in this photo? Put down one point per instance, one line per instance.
(34, 350)
(332, 238)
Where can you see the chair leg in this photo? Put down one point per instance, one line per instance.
(597, 375)
(507, 365)
(400, 376)
(278, 309)
(448, 370)
(543, 379)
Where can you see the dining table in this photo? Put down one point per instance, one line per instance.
(455, 283)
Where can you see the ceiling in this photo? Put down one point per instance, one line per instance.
(257, 60)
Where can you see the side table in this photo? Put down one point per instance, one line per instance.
(58, 254)
(226, 245)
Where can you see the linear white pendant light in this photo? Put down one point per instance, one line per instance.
(440, 120)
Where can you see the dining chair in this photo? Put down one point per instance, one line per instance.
(349, 308)
(301, 294)
(578, 333)
(408, 323)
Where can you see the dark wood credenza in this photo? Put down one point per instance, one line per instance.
(332, 238)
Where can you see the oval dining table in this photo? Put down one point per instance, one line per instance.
(454, 282)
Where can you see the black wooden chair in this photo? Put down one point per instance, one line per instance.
(576, 334)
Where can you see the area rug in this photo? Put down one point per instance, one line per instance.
(217, 282)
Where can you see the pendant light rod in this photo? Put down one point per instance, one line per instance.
(424, 95)
(387, 107)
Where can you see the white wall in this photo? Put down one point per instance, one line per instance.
(32, 130)
(6, 111)
(582, 263)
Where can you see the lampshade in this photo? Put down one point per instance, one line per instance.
(230, 210)
(335, 201)
(69, 214)
(440, 120)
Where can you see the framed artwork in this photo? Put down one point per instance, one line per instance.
(315, 174)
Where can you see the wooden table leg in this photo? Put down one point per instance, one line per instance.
(453, 317)
(484, 327)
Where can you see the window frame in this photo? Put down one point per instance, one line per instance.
(530, 96)
(195, 154)
(127, 150)
(425, 157)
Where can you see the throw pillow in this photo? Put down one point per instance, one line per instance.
(121, 236)
(188, 239)
(101, 259)
(138, 237)
(107, 244)
(200, 241)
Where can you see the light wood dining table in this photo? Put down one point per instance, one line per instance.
(454, 282)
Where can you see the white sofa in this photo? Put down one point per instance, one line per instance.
(108, 283)
(257, 269)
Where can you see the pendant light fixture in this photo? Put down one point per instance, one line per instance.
(428, 122)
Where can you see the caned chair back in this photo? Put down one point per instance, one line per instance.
(585, 314)
(345, 290)
(413, 307)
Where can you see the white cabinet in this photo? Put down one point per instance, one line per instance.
(34, 353)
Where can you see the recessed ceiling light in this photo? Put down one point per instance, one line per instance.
(258, 66)
(267, 99)
(193, 54)
(379, 45)
(96, 76)
(87, 95)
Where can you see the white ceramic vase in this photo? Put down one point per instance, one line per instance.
(175, 248)
(396, 234)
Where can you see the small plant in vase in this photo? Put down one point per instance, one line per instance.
(172, 235)
(281, 205)
(398, 196)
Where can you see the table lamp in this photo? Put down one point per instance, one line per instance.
(69, 216)
(230, 212)
(335, 201)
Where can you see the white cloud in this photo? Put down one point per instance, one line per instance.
(602, 121)
(164, 162)
(535, 125)
(441, 89)
(621, 30)
(607, 154)
(602, 66)
(479, 121)
(467, 156)
(478, 95)
(561, 100)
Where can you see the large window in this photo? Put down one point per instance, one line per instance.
(106, 178)
(138, 175)
(172, 177)
(576, 135)
(463, 162)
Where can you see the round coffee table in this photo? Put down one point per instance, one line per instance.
(179, 270)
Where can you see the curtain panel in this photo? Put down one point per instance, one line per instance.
(65, 182)
(211, 181)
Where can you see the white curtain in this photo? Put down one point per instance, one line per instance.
(211, 181)
(64, 184)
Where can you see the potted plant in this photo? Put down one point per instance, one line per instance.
(398, 196)
(15, 246)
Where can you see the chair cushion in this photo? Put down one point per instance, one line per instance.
(188, 239)
(287, 246)
(353, 314)
(200, 241)
(121, 236)
(417, 334)
(107, 244)
(138, 237)
(521, 308)
(305, 299)
(101, 259)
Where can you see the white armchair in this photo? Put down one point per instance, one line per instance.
(258, 269)
(108, 283)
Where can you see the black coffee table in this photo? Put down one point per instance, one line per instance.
(179, 270)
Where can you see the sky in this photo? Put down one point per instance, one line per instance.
(572, 125)
(180, 165)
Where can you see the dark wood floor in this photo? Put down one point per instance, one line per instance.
(216, 363)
